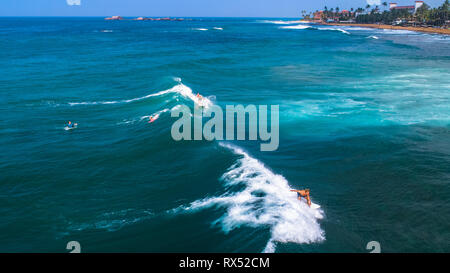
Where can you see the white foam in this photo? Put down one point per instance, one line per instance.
(217, 28)
(180, 88)
(357, 28)
(201, 29)
(373, 37)
(266, 200)
(296, 27)
(398, 31)
(280, 22)
(173, 89)
(187, 93)
(335, 29)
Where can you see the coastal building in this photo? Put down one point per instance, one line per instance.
(318, 16)
(418, 4)
(411, 9)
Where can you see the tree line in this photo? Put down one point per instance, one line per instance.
(438, 16)
(425, 15)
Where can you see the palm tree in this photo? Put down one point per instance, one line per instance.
(367, 7)
(385, 4)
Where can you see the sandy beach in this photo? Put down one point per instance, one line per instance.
(419, 29)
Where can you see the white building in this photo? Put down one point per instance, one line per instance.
(412, 9)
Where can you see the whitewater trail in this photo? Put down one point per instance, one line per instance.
(280, 22)
(180, 88)
(266, 200)
(296, 27)
(334, 29)
(173, 89)
(311, 27)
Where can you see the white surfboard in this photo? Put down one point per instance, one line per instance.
(313, 205)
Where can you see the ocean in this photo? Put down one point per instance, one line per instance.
(364, 123)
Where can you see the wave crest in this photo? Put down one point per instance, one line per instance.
(180, 88)
(296, 27)
(266, 200)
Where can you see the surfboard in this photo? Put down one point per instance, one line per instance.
(313, 205)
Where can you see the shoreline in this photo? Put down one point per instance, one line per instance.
(418, 29)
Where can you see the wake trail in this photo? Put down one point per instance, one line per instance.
(180, 89)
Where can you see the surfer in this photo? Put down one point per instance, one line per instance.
(70, 125)
(200, 97)
(200, 100)
(303, 193)
(152, 118)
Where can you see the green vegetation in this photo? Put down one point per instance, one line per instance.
(423, 16)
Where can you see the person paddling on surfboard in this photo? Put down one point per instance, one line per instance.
(71, 125)
(153, 118)
(303, 193)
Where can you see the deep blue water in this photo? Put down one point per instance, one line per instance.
(364, 123)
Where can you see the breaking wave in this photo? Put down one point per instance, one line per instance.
(280, 22)
(180, 88)
(310, 27)
(296, 27)
(335, 29)
(266, 200)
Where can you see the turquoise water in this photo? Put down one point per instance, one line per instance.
(364, 123)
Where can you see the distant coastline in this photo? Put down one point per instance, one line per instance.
(120, 18)
(382, 26)
(418, 16)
